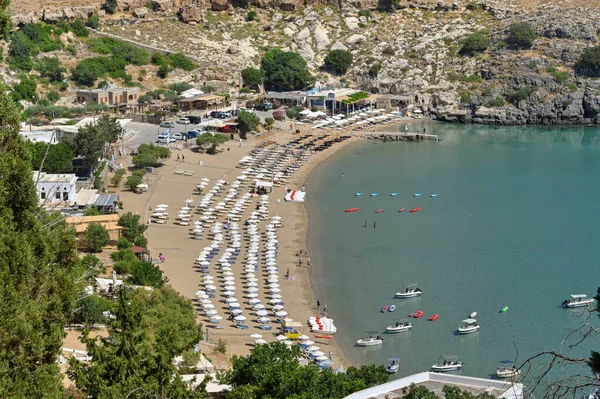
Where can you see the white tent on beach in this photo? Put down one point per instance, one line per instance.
(295, 196)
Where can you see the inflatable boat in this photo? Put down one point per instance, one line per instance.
(351, 210)
(379, 210)
(415, 210)
(434, 317)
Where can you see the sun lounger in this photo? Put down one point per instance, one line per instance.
(242, 326)
(265, 328)
(179, 171)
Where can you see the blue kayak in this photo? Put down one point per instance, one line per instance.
(417, 194)
(434, 195)
(358, 193)
(394, 193)
(374, 194)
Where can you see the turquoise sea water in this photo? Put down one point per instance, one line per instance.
(515, 224)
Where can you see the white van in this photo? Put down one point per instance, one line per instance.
(164, 139)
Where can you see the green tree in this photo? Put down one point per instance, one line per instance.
(38, 257)
(117, 177)
(252, 77)
(146, 273)
(89, 311)
(96, 237)
(285, 71)
(50, 67)
(211, 141)
(86, 73)
(78, 27)
(476, 43)
(589, 62)
(521, 35)
(93, 21)
(132, 182)
(111, 6)
(149, 154)
(26, 89)
(338, 62)
(148, 331)
(247, 122)
(180, 87)
(53, 96)
(132, 228)
(59, 157)
(251, 16)
(92, 212)
(163, 71)
(90, 140)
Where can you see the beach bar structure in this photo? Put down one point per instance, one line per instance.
(202, 102)
(289, 98)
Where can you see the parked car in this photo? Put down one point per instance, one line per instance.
(192, 134)
(183, 121)
(264, 107)
(194, 119)
(220, 114)
(167, 124)
(165, 139)
(178, 136)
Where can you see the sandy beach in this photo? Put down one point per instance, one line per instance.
(172, 240)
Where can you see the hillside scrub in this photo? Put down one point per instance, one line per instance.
(476, 43)
(338, 62)
(521, 35)
(589, 62)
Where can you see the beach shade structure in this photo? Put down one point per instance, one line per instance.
(261, 313)
(254, 301)
(307, 342)
(205, 179)
(264, 320)
(227, 273)
(278, 307)
(211, 287)
(208, 278)
(202, 296)
(273, 285)
(206, 301)
(251, 279)
(231, 300)
(162, 206)
(239, 318)
(251, 275)
(252, 295)
(281, 313)
(230, 288)
(258, 306)
(234, 305)
(276, 296)
(281, 338)
(260, 342)
(210, 312)
(229, 293)
(303, 337)
(252, 284)
(321, 358)
(275, 300)
(252, 289)
(287, 342)
(204, 263)
(217, 318)
(274, 290)
(256, 336)
(312, 349)
(318, 353)
(236, 311)
(229, 278)
(226, 269)
(208, 306)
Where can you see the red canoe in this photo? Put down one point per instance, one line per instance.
(415, 210)
(379, 210)
(417, 314)
(324, 336)
(434, 317)
(384, 309)
(402, 209)
(351, 210)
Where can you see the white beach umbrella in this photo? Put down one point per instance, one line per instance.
(227, 273)
(205, 263)
(252, 295)
(210, 312)
(287, 342)
(258, 306)
(234, 305)
(252, 279)
(226, 269)
(229, 293)
(303, 337)
(307, 342)
(211, 287)
(274, 290)
(236, 311)
(256, 336)
(274, 300)
(260, 342)
(281, 313)
(273, 285)
(252, 289)
(230, 288)
(217, 317)
(281, 338)
(254, 301)
(276, 296)
(252, 284)
(312, 349)
(231, 300)
(273, 279)
(318, 353)
(229, 278)
(277, 307)
(208, 306)
(262, 313)
(162, 206)
(264, 320)
(239, 318)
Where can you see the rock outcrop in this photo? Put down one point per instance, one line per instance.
(192, 12)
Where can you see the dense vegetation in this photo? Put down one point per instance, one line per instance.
(521, 35)
(285, 71)
(59, 157)
(476, 43)
(252, 78)
(149, 154)
(589, 62)
(338, 62)
(247, 122)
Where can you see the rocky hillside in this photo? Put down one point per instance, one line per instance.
(401, 47)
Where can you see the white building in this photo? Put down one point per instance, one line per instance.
(55, 188)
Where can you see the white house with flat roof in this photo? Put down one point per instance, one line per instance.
(55, 188)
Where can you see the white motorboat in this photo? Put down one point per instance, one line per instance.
(393, 365)
(507, 371)
(409, 291)
(399, 326)
(468, 326)
(371, 341)
(578, 301)
(447, 363)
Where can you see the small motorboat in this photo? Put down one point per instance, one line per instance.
(351, 210)
(394, 193)
(473, 315)
(417, 314)
(468, 326)
(507, 370)
(358, 193)
(374, 339)
(434, 317)
(415, 210)
(417, 194)
(379, 210)
(409, 291)
(434, 195)
(392, 308)
(504, 309)
(384, 309)
(578, 301)
(374, 194)
(447, 363)
(402, 209)
(399, 326)
(393, 365)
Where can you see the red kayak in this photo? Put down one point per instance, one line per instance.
(384, 309)
(417, 314)
(351, 210)
(402, 209)
(324, 336)
(434, 317)
(415, 210)
(379, 210)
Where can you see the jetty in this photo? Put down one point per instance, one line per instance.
(400, 136)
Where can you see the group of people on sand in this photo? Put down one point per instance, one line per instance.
(300, 261)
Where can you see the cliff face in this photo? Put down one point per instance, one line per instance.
(410, 48)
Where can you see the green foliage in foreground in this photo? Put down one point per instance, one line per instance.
(150, 329)
(272, 371)
(521, 94)
(37, 294)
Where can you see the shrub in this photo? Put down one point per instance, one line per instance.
(158, 59)
(364, 13)
(96, 237)
(25, 89)
(486, 92)
(252, 77)
(208, 89)
(521, 94)
(146, 273)
(589, 62)
(521, 35)
(163, 71)
(476, 43)
(285, 71)
(130, 53)
(92, 212)
(93, 21)
(338, 61)
(78, 28)
(124, 243)
(251, 16)
(181, 61)
(374, 70)
(147, 156)
(247, 121)
(465, 97)
(50, 67)
(124, 266)
(141, 241)
(180, 87)
(292, 113)
(133, 181)
(279, 115)
(53, 96)
(388, 50)
(269, 121)
(221, 346)
(111, 6)
(117, 177)
(123, 255)
(496, 102)
(560, 76)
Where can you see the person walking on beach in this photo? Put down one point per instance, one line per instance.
(161, 257)
(308, 262)
(287, 274)
(300, 262)
(182, 158)
(325, 309)
(178, 157)
(330, 355)
(318, 304)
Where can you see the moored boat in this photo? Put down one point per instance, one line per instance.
(393, 365)
(507, 370)
(402, 209)
(372, 340)
(417, 314)
(358, 193)
(379, 210)
(434, 317)
(578, 301)
(415, 210)
(468, 326)
(409, 291)
(374, 194)
(447, 363)
(417, 194)
(399, 326)
(394, 193)
(472, 315)
(384, 309)
(434, 195)
(351, 210)
(504, 309)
